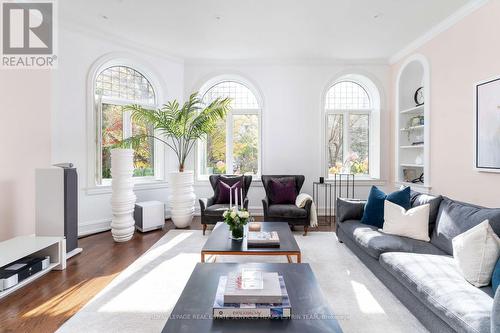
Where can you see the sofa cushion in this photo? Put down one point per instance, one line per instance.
(283, 190)
(436, 281)
(495, 314)
(495, 278)
(374, 242)
(374, 208)
(457, 217)
(412, 223)
(290, 211)
(418, 199)
(476, 253)
(216, 210)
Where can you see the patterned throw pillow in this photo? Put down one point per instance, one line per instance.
(224, 188)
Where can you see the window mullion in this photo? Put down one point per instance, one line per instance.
(127, 125)
(229, 144)
(346, 136)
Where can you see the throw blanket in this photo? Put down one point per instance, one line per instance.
(300, 202)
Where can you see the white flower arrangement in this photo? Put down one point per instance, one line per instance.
(236, 218)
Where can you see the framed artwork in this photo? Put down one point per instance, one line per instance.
(488, 126)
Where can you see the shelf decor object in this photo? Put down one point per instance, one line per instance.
(419, 96)
(412, 124)
(488, 125)
(122, 195)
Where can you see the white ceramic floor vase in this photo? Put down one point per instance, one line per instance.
(181, 198)
(122, 196)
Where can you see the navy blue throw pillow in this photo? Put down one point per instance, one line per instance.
(374, 208)
(495, 278)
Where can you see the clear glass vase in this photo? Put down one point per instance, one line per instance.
(237, 233)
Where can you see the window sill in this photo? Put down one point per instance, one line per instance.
(140, 186)
(361, 181)
(256, 182)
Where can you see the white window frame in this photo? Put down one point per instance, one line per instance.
(95, 183)
(373, 113)
(127, 132)
(229, 124)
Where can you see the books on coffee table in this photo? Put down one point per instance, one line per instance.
(263, 239)
(280, 310)
(252, 287)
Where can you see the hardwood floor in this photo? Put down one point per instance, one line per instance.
(44, 305)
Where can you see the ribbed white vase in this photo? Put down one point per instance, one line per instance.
(181, 198)
(122, 196)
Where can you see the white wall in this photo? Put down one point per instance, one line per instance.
(292, 115)
(25, 104)
(78, 51)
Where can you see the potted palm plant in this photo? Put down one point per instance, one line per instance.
(179, 128)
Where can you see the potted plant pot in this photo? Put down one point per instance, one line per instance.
(181, 199)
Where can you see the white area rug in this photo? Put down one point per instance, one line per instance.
(141, 298)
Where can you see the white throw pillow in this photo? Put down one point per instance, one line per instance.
(412, 223)
(476, 252)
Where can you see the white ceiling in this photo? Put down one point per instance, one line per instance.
(265, 29)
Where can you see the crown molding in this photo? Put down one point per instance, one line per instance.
(444, 25)
(286, 62)
(73, 25)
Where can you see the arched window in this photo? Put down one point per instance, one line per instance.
(352, 108)
(234, 148)
(115, 87)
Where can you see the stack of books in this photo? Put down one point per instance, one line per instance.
(263, 239)
(252, 294)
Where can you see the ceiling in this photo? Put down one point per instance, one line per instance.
(264, 29)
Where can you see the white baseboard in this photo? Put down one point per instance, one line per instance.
(93, 227)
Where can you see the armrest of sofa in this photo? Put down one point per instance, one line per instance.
(349, 209)
(265, 205)
(495, 313)
(205, 202)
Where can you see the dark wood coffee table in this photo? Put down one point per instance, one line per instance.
(310, 310)
(220, 243)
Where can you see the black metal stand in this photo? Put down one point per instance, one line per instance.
(346, 179)
(328, 199)
(339, 180)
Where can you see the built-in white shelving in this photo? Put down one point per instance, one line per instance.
(412, 128)
(410, 165)
(412, 124)
(415, 109)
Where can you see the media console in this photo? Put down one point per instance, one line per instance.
(38, 246)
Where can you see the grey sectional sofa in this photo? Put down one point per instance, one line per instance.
(423, 275)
